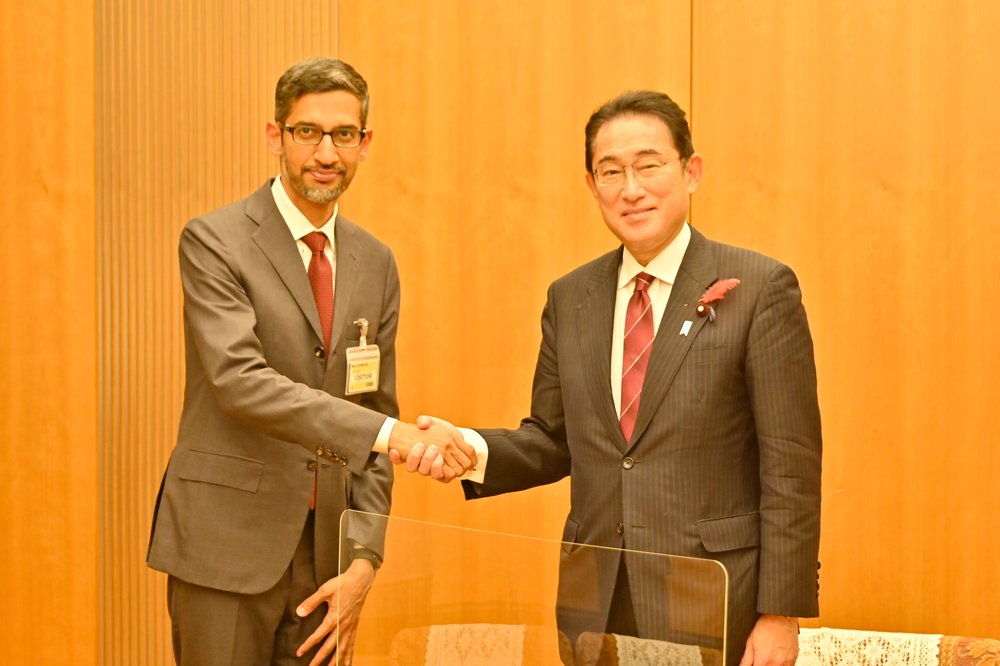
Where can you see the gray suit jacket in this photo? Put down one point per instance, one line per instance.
(264, 406)
(724, 462)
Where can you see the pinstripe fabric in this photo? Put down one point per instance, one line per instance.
(725, 457)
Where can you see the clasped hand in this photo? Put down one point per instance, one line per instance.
(432, 447)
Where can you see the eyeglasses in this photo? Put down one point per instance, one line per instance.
(609, 175)
(342, 137)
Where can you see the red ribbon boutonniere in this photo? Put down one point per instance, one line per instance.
(716, 292)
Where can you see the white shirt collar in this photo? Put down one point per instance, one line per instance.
(298, 223)
(663, 266)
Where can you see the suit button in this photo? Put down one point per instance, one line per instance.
(628, 463)
(312, 465)
(320, 353)
(620, 528)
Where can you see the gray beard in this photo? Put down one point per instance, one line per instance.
(319, 195)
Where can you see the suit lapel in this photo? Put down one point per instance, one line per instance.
(276, 242)
(348, 256)
(696, 273)
(595, 323)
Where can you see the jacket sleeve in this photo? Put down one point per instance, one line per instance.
(371, 491)
(781, 380)
(535, 453)
(220, 321)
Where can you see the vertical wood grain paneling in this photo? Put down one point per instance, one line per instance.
(852, 140)
(48, 372)
(856, 142)
(183, 92)
(475, 178)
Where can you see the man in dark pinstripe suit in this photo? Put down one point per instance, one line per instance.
(724, 458)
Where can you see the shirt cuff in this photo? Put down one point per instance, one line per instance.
(478, 473)
(382, 441)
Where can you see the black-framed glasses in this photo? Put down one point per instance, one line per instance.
(310, 135)
(610, 175)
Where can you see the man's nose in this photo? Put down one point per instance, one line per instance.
(326, 152)
(633, 188)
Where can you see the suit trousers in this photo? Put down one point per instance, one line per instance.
(218, 628)
(621, 613)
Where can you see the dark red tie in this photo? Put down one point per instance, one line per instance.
(321, 279)
(637, 347)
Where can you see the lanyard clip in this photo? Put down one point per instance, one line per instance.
(363, 325)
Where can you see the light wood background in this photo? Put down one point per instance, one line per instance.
(854, 141)
(49, 521)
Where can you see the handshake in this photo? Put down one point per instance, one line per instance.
(431, 447)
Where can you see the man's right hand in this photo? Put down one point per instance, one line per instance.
(432, 448)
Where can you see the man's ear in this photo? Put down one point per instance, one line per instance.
(591, 184)
(365, 143)
(273, 132)
(693, 170)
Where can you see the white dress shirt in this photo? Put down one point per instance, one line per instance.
(663, 267)
(300, 227)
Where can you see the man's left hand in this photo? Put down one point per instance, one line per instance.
(774, 641)
(352, 587)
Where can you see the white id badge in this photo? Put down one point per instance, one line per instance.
(362, 364)
(362, 369)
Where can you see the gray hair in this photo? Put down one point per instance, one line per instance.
(318, 75)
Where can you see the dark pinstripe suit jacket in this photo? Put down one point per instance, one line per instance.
(262, 397)
(725, 456)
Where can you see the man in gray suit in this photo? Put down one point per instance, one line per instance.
(290, 316)
(715, 452)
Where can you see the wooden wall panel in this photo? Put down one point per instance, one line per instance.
(852, 141)
(184, 90)
(476, 179)
(856, 142)
(48, 373)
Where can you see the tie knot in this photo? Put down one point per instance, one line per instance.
(642, 281)
(315, 240)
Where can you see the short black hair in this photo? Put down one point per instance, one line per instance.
(641, 103)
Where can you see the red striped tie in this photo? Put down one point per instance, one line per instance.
(637, 347)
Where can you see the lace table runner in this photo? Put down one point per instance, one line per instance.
(645, 652)
(475, 644)
(844, 647)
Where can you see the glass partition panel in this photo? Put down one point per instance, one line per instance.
(448, 595)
